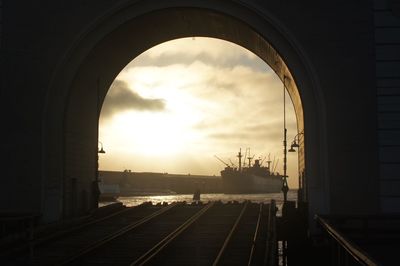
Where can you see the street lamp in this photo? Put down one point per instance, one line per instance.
(101, 150)
(295, 142)
(96, 190)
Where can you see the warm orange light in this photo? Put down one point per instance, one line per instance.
(215, 101)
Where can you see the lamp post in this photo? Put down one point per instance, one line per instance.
(96, 190)
(285, 187)
(296, 144)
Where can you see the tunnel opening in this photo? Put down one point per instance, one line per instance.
(181, 102)
(113, 43)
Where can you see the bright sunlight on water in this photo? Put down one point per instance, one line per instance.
(264, 198)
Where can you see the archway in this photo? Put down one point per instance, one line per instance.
(187, 107)
(82, 81)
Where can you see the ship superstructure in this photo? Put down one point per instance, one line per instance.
(250, 178)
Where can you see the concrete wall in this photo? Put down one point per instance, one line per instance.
(50, 90)
(387, 48)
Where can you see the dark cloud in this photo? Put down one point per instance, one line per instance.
(167, 59)
(263, 130)
(224, 86)
(212, 124)
(228, 136)
(271, 134)
(121, 98)
(255, 132)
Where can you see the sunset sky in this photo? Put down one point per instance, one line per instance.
(180, 103)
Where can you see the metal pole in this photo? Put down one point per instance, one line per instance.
(95, 183)
(285, 187)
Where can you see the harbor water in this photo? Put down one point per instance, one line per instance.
(258, 198)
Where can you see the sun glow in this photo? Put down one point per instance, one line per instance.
(172, 110)
(159, 133)
(153, 134)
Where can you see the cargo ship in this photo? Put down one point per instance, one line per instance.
(250, 179)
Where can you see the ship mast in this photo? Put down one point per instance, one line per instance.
(250, 158)
(244, 156)
(240, 159)
(269, 162)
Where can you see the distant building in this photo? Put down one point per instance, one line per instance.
(135, 182)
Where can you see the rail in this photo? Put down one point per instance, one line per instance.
(247, 226)
(116, 234)
(351, 249)
(256, 231)
(271, 246)
(35, 241)
(146, 257)
(79, 227)
(369, 227)
(228, 238)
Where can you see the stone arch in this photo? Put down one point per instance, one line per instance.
(83, 77)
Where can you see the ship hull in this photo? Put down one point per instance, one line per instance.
(250, 184)
(108, 192)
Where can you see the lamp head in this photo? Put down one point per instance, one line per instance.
(101, 150)
(294, 144)
(291, 149)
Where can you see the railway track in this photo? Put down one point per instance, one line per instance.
(49, 248)
(226, 235)
(176, 234)
(132, 245)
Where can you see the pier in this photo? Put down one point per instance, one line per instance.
(203, 233)
(339, 62)
(212, 233)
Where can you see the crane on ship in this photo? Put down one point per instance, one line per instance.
(233, 165)
(227, 165)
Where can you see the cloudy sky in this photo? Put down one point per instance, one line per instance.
(177, 105)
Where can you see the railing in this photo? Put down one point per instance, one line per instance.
(17, 225)
(271, 247)
(16, 229)
(344, 251)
